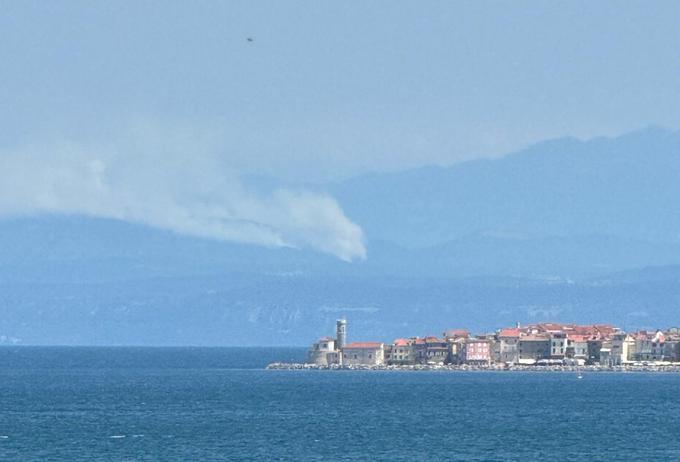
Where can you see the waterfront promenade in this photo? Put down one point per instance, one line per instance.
(669, 368)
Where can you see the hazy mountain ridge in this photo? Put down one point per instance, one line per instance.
(565, 230)
(77, 249)
(251, 309)
(625, 186)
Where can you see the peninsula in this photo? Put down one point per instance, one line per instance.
(543, 346)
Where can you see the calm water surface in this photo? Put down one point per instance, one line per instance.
(195, 404)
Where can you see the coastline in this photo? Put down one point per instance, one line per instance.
(664, 368)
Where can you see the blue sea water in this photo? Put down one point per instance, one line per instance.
(205, 404)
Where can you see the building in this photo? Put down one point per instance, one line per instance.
(572, 342)
(402, 351)
(643, 346)
(558, 345)
(436, 350)
(593, 331)
(363, 354)
(322, 351)
(658, 346)
(577, 348)
(672, 345)
(455, 339)
(594, 347)
(477, 351)
(387, 353)
(341, 333)
(672, 350)
(456, 351)
(533, 348)
(605, 353)
(622, 349)
(455, 334)
(326, 350)
(508, 345)
(430, 350)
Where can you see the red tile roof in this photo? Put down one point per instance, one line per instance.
(401, 342)
(605, 328)
(534, 338)
(509, 332)
(554, 327)
(595, 330)
(358, 345)
(456, 333)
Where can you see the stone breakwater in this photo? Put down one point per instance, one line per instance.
(467, 367)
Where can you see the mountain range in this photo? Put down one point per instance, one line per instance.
(569, 230)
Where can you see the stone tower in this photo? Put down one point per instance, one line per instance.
(340, 334)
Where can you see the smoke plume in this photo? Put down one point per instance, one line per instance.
(177, 180)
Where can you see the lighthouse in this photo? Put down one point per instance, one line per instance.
(340, 334)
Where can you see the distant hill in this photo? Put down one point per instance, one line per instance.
(626, 187)
(75, 280)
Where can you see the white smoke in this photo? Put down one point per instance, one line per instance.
(170, 179)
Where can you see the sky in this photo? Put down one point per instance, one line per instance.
(321, 91)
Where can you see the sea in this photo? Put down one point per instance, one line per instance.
(220, 404)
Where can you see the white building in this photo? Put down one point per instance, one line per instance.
(322, 351)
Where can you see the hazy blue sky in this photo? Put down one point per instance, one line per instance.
(151, 112)
(328, 89)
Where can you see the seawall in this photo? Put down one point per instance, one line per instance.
(465, 367)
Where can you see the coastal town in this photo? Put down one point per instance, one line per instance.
(545, 345)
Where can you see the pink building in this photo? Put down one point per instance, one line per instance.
(477, 351)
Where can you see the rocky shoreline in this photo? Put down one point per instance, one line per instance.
(675, 367)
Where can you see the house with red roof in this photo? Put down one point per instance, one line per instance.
(363, 354)
(455, 339)
(508, 345)
(477, 351)
(402, 351)
(658, 342)
(453, 334)
(577, 347)
(431, 350)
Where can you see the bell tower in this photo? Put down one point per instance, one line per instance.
(340, 333)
